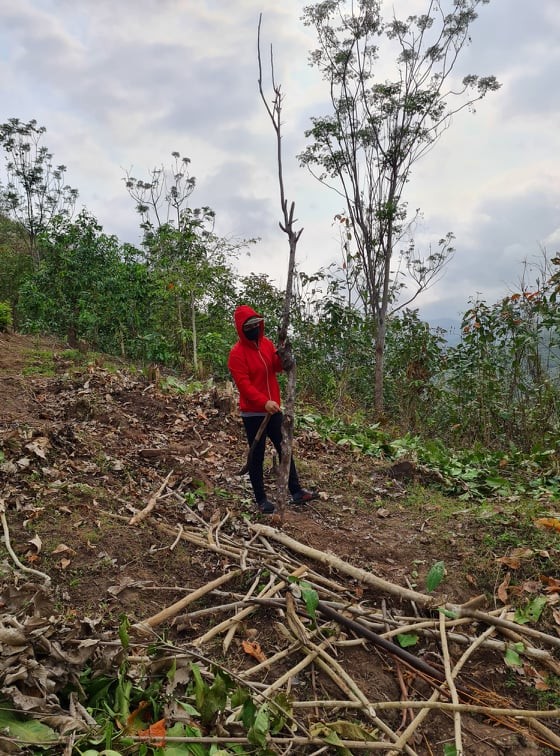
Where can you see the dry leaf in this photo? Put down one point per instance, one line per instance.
(156, 730)
(556, 615)
(532, 586)
(253, 649)
(512, 562)
(38, 446)
(548, 522)
(64, 563)
(521, 552)
(551, 584)
(502, 588)
(36, 541)
(381, 512)
(541, 685)
(62, 548)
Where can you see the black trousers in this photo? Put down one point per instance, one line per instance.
(274, 433)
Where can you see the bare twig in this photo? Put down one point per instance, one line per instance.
(12, 553)
(143, 513)
(148, 624)
(451, 686)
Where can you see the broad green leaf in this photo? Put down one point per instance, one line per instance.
(248, 713)
(310, 597)
(407, 639)
(279, 713)
(258, 732)
(188, 708)
(25, 730)
(531, 612)
(435, 576)
(180, 730)
(449, 749)
(511, 656)
(124, 625)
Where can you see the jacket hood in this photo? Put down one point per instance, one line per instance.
(241, 314)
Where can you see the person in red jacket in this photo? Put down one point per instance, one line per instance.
(253, 363)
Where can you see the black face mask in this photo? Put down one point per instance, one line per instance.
(253, 333)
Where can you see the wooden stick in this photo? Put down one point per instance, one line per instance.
(417, 721)
(12, 553)
(295, 740)
(233, 629)
(139, 516)
(440, 706)
(339, 564)
(549, 640)
(244, 612)
(545, 732)
(148, 624)
(338, 674)
(404, 593)
(451, 686)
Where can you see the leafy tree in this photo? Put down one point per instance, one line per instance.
(378, 129)
(190, 262)
(331, 338)
(83, 290)
(15, 263)
(35, 192)
(415, 364)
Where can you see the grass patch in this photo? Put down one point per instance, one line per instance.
(40, 362)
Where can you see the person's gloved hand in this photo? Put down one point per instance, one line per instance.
(284, 351)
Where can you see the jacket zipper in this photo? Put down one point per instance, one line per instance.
(266, 373)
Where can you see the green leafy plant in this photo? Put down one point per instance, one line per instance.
(6, 319)
(435, 576)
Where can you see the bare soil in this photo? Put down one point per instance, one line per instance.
(87, 446)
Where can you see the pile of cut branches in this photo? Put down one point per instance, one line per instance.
(280, 686)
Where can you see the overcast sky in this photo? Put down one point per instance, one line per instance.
(120, 84)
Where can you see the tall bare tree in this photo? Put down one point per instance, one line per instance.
(274, 110)
(378, 129)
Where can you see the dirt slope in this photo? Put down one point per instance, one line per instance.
(88, 446)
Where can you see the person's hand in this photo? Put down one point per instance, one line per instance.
(284, 351)
(272, 407)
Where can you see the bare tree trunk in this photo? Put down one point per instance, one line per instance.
(194, 337)
(284, 347)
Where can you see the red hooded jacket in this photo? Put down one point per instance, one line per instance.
(253, 366)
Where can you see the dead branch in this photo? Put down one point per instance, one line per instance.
(499, 622)
(224, 626)
(157, 619)
(451, 685)
(12, 553)
(284, 347)
(336, 563)
(139, 516)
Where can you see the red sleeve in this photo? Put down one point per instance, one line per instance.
(276, 361)
(238, 368)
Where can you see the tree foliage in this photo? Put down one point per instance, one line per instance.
(380, 127)
(35, 192)
(191, 263)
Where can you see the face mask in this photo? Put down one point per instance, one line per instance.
(253, 333)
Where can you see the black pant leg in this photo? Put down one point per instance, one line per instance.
(256, 476)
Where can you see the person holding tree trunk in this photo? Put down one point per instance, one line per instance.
(253, 363)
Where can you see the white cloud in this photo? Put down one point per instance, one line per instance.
(119, 85)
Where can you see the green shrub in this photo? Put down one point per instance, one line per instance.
(6, 320)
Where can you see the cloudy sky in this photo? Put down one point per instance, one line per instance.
(119, 85)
